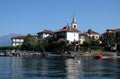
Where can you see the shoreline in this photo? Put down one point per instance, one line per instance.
(20, 53)
(39, 54)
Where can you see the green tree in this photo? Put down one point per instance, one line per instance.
(117, 38)
(95, 44)
(89, 32)
(91, 44)
(87, 43)
(30, 43)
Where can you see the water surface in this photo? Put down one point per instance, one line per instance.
(58, 68)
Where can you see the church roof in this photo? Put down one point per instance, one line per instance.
(67, 28)
(74, 20)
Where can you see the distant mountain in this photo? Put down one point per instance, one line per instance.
(5, 40)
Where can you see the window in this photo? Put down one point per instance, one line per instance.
(96, 37)
(74, 26)
(13, 40)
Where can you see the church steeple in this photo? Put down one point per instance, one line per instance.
(74, 23)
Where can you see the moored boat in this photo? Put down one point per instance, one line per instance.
(98, 57)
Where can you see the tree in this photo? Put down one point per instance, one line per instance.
(87, 43)
(89, 32)
(91, 44)
(117, 38)
(95, 44)
(30, 43)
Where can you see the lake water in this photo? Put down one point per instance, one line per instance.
(58, 68)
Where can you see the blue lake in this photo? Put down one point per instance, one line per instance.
(58, 68)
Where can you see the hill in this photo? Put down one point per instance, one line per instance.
(5, 40)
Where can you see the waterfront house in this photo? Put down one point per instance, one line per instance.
(45, 33)
(112, 34)
(92, 34)
(17, 40)
(112, 39)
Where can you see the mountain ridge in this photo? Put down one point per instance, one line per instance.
(5, 40)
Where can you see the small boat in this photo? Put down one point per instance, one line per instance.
(71, 54)
(51, 55)
(98, 57)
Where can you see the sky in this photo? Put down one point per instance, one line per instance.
(33, 16)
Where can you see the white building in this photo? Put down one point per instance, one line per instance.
(45, 33)
(90, 34)
(70, 33)
(83, 37)
(18, 40)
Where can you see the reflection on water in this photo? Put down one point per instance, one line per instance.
(58, 68)
(73, 69)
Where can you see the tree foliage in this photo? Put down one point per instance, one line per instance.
(9, 47)
(91, 44)
(30, 43)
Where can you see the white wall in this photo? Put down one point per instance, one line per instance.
(45, 35)
(72, 36)
(82, 39)
(16, 42)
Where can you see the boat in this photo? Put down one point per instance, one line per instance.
(98, 57)
(51, 55)
(71, 54)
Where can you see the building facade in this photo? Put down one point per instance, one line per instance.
(69, 33)
(112, 35)
(92, 34)
(45, 33)
(18, 40)
(83, 37)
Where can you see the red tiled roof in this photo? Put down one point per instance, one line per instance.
(46, 31)
(92, 32)
(19, 37)
(110, 31)
(68, 29)
(83, 34)
(116, 30)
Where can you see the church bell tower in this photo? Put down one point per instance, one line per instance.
(74, 23)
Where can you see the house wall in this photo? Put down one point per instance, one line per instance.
(43, 35)
(16, 42)
(72, 36)
(82, 39)
(96, 36)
